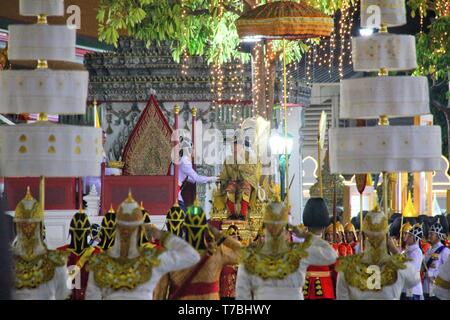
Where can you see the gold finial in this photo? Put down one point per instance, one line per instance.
(383, 120)
(176, 108)
(96, 116)
(384, 72)
(28, 195)
(194, 111)
(142, 205)
(42, 64)
(111, 209)
(130, 197)
(376, 208)
(80, 210)
(383, 28)
(42, 19)
(409, 210)
(196, 202)
(42, 116)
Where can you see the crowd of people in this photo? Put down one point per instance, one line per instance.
(127, 257)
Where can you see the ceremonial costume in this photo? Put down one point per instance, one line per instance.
(239, 179)
(442, 282)
(128, 271)
(201, 281)
(358, 277)
(79, 252)
(144, 239)
(342, 249)
(228, 275)
(318, 281)
(175, 220)
(350, 236)
(39, 273)
(108, 230)
(436, 256)
(276, 269)
(414, 253)
(96, 232)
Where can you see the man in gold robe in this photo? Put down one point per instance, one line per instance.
(239, 180)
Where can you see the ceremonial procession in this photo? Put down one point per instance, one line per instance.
(226, 150)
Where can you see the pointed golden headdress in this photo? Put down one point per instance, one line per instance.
(129, 212)
(276, 212)
(375, 223)
(29, 209)
(339, 228)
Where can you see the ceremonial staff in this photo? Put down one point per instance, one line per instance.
(361, 182)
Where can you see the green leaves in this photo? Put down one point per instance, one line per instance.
(199, 26)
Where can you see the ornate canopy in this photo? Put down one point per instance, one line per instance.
(284, 19)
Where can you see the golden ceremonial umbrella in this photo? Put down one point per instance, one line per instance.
(284, 20)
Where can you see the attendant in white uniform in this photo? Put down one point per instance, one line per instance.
(375, 274)
(435, 256)
(276, 269)
(186, 171)
(411, 237)
(130, 272)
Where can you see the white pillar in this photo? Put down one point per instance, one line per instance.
(295, 165)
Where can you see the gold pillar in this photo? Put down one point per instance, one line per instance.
(417, 191)
(404, 190)
(393, 202)
(448, 200)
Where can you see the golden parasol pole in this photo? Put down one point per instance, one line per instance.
(319, 167)
(385, 193)
(42, 192)
(285, 119)
(361, 245)
(401, 232)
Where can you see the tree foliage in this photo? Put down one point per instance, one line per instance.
(201, 27)
(433, 45)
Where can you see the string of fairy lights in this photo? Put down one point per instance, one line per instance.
(185, 57)
(442, 8)
(332, 52)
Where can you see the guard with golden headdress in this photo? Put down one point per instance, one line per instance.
(39, 273)
(128, 271)
(79, 251)
(276, 269)
(108, 230)
(339, 245)
(201, 281)
(351, 238)
(376, 273)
